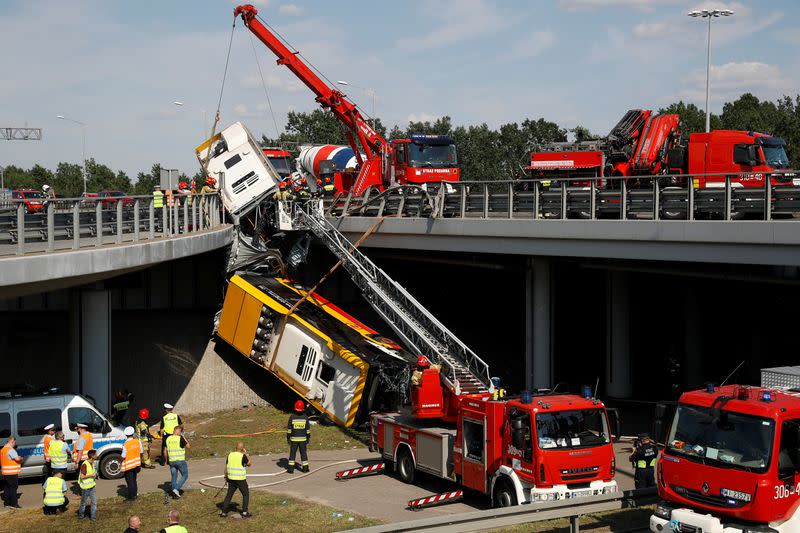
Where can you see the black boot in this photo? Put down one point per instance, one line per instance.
(304, 468)
(290, 469)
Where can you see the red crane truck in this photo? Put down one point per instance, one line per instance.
(731, 463)
(419, 160)
(515, 451)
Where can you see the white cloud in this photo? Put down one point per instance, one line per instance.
(422, 117)
(531, 45)
(730, 80)
(639, 5)
(291, 10)
(457, 21)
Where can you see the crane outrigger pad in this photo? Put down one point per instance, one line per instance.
(436, 499)
(370, 470)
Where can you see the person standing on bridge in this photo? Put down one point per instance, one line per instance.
(205, 203)
(131, 462)
(236, 478)
(158, 204)
(644, 459)
(176, 455)
(50, 431)
(11, 466)
(298, 435)
(168, 424)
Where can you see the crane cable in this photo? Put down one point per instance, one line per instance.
(264, 85)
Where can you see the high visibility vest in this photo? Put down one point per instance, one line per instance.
(47, 440)
(9, 466)
(328, 188)
(170, 423)
(53, 492)
(176, 528)
(58, 454)
(121, 406)
(88, 440)
(158, 199)
(176, 453)
(87, 483)
(235, 469)
(133, 455)
(644, 464)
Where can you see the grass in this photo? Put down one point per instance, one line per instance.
(202, 431)
(198, 510)
(619, 521)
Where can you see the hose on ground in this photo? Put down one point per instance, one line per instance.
(205, 481)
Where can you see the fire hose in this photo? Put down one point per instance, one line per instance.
(205, 481)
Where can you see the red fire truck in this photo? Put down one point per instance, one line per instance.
(731, 463)
(521, 450)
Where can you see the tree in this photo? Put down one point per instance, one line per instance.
(146, 182)
(440, 126)
(693, 118)
(747, 113)
(68, 180)
(102, 178)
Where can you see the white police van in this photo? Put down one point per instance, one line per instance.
(25, 416)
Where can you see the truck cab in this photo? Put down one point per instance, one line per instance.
(280, 159)
(731, 462)
(757, 155)
(425, 159)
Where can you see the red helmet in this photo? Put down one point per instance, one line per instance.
(282, 185)
(303, 181)
(210, 180)
(423, 362)
(144, 414)
(327, 180)
(299, 406)
(319, 182)
(182, 185)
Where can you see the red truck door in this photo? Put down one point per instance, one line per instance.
(473, 445)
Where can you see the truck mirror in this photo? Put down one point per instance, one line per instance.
(616, 423)
(741, 154)
(754, 155)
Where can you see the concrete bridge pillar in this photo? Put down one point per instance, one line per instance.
(90, 320)
(618, 343)
(538, 324)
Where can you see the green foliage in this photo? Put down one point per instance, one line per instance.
(146, 182)
(68, 180)
(692, 117)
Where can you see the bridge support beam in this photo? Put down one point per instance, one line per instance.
(538, 324)
(90, 320)
(618, 342)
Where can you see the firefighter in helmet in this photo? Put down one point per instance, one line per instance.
(145, 438)
(644, 457)
(298, 435)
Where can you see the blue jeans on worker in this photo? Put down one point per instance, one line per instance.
(174, 468)
(91, 495)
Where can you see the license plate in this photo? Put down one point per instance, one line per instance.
(581, 493)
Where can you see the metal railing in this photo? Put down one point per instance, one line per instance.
(523, 514)
(36, 225)
(660, 197)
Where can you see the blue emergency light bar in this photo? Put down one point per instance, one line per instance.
(766, 396)
(586, 391)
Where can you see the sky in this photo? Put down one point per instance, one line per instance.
(119, 66)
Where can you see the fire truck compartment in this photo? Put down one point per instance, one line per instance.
(431, 445)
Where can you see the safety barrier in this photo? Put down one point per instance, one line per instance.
(523, 514)
(667, 196)
(36, 225)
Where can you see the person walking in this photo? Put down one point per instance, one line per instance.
(87, 481)
(145, 438)
(644, 459)
(59, 454)
(84, 444)
(174, 523)
(134, 523)
(55, 493)
(50, 431)
(236, 478)
(131, 463)
(176, 455)
(298, 435)
(168, 424)
(11, 466)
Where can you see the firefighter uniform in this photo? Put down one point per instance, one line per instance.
(143, 433)
(644, 460)
(298, 435)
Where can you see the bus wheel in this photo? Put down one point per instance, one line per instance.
(504, 494)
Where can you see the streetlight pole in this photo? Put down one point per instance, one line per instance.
(83, 134)
(370, 92)
(709, 14)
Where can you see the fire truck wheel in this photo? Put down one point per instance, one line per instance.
(504, 494)
(405, 466)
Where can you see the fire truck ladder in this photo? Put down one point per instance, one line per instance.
(463, 371)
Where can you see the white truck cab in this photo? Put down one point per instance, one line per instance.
(25, 417)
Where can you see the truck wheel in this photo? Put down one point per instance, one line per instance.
(504, 494)
(111, 466)
(405, 466)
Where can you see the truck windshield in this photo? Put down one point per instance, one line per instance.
(775, 155)
(572, 429)
(432, 155)
(723, 439)
(281, 165)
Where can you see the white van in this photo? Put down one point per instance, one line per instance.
(244, 174)
(26, 416)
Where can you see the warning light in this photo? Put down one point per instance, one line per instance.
(709, 388)
(586, 391)
(766, 396)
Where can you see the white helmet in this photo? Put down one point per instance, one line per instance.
(46, 187)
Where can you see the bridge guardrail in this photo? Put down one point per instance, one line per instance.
(667, 196)
(74, 223)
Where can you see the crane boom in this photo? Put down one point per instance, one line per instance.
(345, 110)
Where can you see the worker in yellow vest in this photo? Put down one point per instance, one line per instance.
(55, 493)
(11, 466)
(168, 424)
(84, 443)
(236, 478)
(131, 462)
(59, 453)
(176, 455)
(50, 431)
(87, 481)
(174, 523)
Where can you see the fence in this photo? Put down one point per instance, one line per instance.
(39, 225)
(670, 197)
